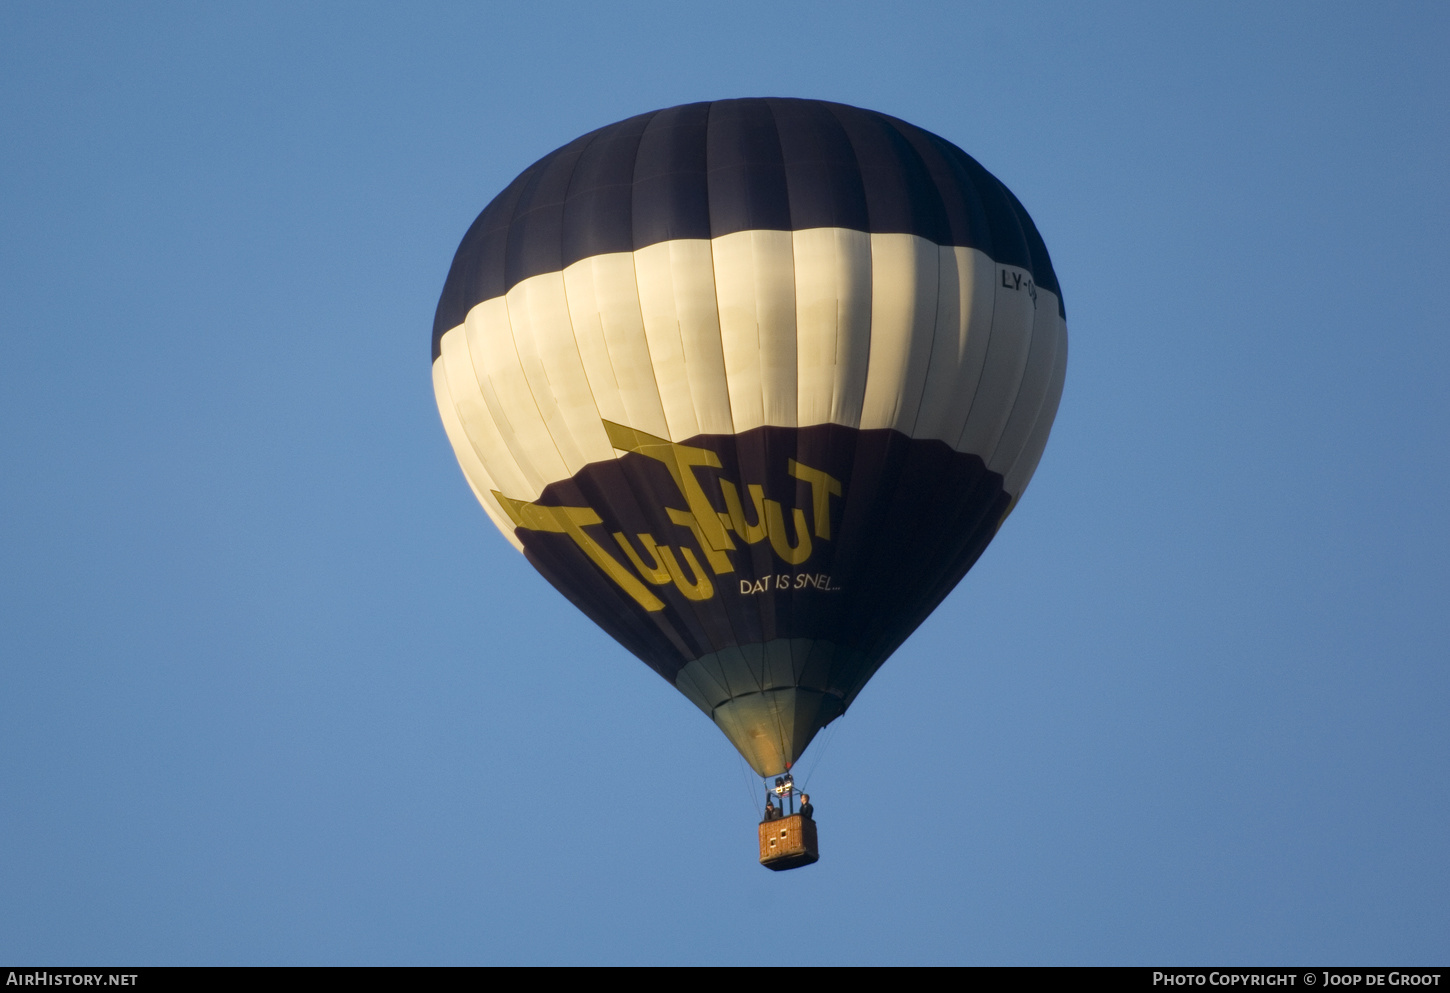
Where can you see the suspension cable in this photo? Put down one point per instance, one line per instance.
(816, 761)
(749, 784)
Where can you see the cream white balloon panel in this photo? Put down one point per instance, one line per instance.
(719, 336)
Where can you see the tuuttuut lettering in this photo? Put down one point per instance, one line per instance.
(647, 561)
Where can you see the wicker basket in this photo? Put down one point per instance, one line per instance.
(788, 842)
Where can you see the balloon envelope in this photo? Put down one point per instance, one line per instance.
(752, 383)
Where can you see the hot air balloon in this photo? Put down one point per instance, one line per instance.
(752, 383)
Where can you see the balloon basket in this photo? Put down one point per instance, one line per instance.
(788, 842)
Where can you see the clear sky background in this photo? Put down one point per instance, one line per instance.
(274, 690)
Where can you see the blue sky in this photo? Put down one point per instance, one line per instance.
(273, 689)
